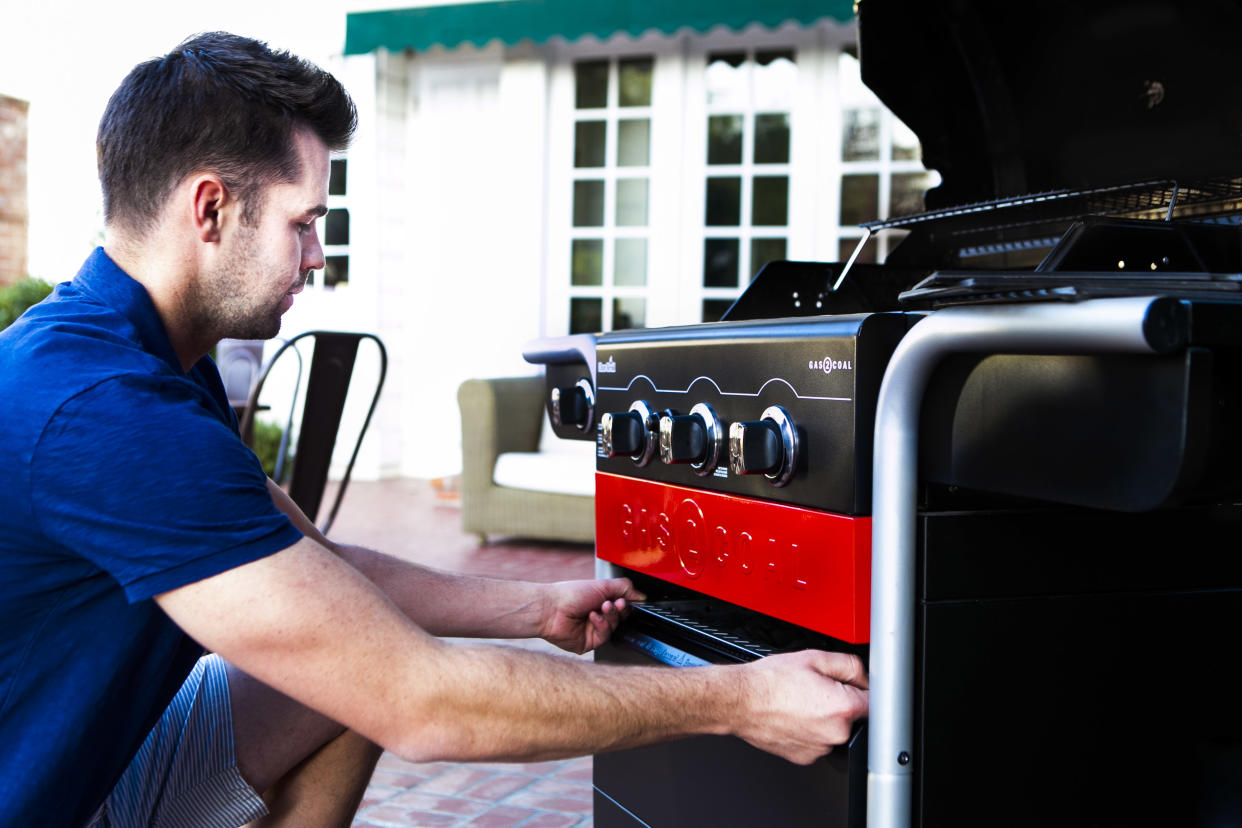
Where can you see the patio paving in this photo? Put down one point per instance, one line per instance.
(419, 520)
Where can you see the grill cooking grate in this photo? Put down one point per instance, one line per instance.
(1146, 200)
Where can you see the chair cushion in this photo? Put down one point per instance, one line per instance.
(568, 469)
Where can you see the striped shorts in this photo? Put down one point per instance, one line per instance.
(185, 773)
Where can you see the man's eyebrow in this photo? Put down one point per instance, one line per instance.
(317, 210)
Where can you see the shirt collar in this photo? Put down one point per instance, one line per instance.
(103, 279)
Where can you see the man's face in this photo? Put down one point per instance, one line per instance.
(265, 262)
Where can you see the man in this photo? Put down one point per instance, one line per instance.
(140, 530)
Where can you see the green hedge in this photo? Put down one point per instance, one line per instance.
(266, 444)
(15, 298)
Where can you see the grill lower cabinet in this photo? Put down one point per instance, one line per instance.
(1075, 668)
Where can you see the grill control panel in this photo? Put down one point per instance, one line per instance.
(775, 409)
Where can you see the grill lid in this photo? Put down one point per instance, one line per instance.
(1014, 98)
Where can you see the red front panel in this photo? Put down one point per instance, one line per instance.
(806, 567)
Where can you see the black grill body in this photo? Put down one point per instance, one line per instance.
(1076, 572)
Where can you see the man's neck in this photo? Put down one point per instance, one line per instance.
(164, 275)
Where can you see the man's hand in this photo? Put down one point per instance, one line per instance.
(578, 616)
(801, 704)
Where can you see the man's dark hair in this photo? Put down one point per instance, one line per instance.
(217, 103)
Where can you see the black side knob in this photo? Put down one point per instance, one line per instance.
(683, 438)
(755, 447)
(623, 433)
(572, 405)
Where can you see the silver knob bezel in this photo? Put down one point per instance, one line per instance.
(651, 426)
(789, 442)
(715, 439)
(651, 423)
(589, 393)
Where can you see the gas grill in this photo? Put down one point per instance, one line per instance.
(1004, 467)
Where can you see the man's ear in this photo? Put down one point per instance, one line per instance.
(209, 196)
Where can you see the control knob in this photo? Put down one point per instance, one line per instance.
(692, 438)
(767, 446)
(631, 432)
(574, 405)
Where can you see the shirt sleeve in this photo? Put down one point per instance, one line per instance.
(140, 476)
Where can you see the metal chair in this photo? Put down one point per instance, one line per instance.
(332, 363)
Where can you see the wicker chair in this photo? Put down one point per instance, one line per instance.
(504, 415)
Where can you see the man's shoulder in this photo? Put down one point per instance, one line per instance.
(69, 343)
(64, 351)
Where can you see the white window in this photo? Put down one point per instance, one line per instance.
(679, 167)
(750, 96)
(611, 197)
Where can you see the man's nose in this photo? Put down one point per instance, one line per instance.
(312, 250)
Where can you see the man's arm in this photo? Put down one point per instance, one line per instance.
(307, 623)
(575, 615)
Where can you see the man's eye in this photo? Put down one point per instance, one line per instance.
(306, 228)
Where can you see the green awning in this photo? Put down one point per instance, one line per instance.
(511, 21)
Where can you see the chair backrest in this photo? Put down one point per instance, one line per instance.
(327, 387)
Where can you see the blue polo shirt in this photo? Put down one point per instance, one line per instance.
(121, 477)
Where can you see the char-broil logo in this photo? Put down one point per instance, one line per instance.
(609, 367)
(828, 365)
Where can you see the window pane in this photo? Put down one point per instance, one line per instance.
(766, 57)
(732, 59)
(630, 266)
(860, 198)
(336, 227)
(634, 142)
(906, 192)
(589, 138)
(588, 204)
(587, 267)
(714, 309)
(630, 312)
(632, 202)
(634, 81)
(771, 201)
(724, 202)
(905, 143)
(724, 139)
(860, 135)
(720, 263)
(336, 271)
(591, 84)
(846, 249)
(776, 79)
(336, 177)
(763, 251)
(586, 315)
(772, 138)
(726, 80)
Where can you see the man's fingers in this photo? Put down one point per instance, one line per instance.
(845, 668)
(624, 588)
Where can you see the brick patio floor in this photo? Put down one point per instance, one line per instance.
(414, 520)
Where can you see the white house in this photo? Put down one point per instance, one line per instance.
(530, 168)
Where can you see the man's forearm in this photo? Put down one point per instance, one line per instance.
(506, 704)
(449, 604)
(442, 603)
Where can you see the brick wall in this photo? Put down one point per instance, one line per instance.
(13, 210)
